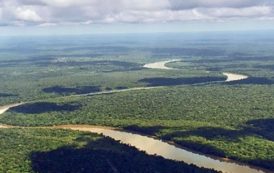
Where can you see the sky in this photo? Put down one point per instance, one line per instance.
(133, 16)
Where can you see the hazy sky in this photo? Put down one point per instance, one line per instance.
(93, 16)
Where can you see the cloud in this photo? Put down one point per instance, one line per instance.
(65, 3)
(45, 12)
(27, 15)
(255, 11)
(155, 16)
(1, 13)
(47, 24)
(179, 4)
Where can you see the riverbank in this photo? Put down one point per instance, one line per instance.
(5, 108)
(157, 147)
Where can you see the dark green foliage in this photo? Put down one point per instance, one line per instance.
(104, 155)
(233, 119)
(220, 120)
(51, 151)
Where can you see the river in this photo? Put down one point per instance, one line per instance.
(154, 146)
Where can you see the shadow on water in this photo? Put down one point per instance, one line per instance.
(43, 107)
(263, 128)
(105, 155)
(163, 81)
(67, 90)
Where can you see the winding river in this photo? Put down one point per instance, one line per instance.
(154, 146)
(162, 65)
(157, 147)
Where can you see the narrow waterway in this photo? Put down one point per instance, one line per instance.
(160, 64)
(5, 108)
(153, 146)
